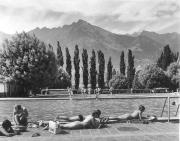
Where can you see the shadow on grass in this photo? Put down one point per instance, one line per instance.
(128, 129)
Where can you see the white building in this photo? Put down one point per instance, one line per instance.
(1, 88)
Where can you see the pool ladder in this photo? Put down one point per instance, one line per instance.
(168, 98)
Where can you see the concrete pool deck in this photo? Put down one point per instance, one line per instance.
(157, 131)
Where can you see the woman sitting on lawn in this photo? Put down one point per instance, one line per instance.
(20, 115)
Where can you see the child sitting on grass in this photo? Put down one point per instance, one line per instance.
(20, 116)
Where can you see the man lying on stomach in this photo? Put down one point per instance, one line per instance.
(90, 121)
(75, 118)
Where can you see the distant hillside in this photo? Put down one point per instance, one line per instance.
(146, 45)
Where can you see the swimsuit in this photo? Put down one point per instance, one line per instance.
(81, 118)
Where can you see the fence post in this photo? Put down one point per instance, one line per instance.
(4, 89)
(168, 108)
(131, 90)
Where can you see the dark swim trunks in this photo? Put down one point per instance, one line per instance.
(23, 121)
(81, 118)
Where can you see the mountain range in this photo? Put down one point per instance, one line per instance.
(146, 46)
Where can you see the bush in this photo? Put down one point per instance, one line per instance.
(136, 83)
(63, 80)
(119, 82)
(172, 72)
(153, 77)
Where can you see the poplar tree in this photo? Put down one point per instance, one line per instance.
(60, 60)
(130, 69)
(101, 62)
(76, 66)
(85, 67)
(68, 62)
(122, 64)
(93, 71)
(109, 70)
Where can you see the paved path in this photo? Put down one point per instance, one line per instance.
(114, 132)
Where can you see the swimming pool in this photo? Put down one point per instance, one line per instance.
(48, 109)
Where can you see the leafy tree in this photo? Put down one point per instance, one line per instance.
(114, 72)
(122, 64)
(93, 71)
(166, 58)
(60, 60)
(109, 70)
(51, 68)
(63, 79)
(119, 82)
(25, 60)
(68, 62)
(101, 61)
(85, 67)
(130, 69)
(50, 47)
(136, 84)
(153, 77)
(76, 66)
(173, 72)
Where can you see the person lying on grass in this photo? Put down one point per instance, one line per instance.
(76, 118)
(90, 122)
(6, 129)
(137, 114)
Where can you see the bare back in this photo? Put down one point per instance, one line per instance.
(136, 114)
(90, 122)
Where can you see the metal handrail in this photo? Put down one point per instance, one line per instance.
(163, 107)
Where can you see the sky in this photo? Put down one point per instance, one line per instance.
(118, 16)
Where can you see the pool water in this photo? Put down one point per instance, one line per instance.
(48, 109)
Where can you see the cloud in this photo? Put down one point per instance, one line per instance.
(167, 9)
(118, 16)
